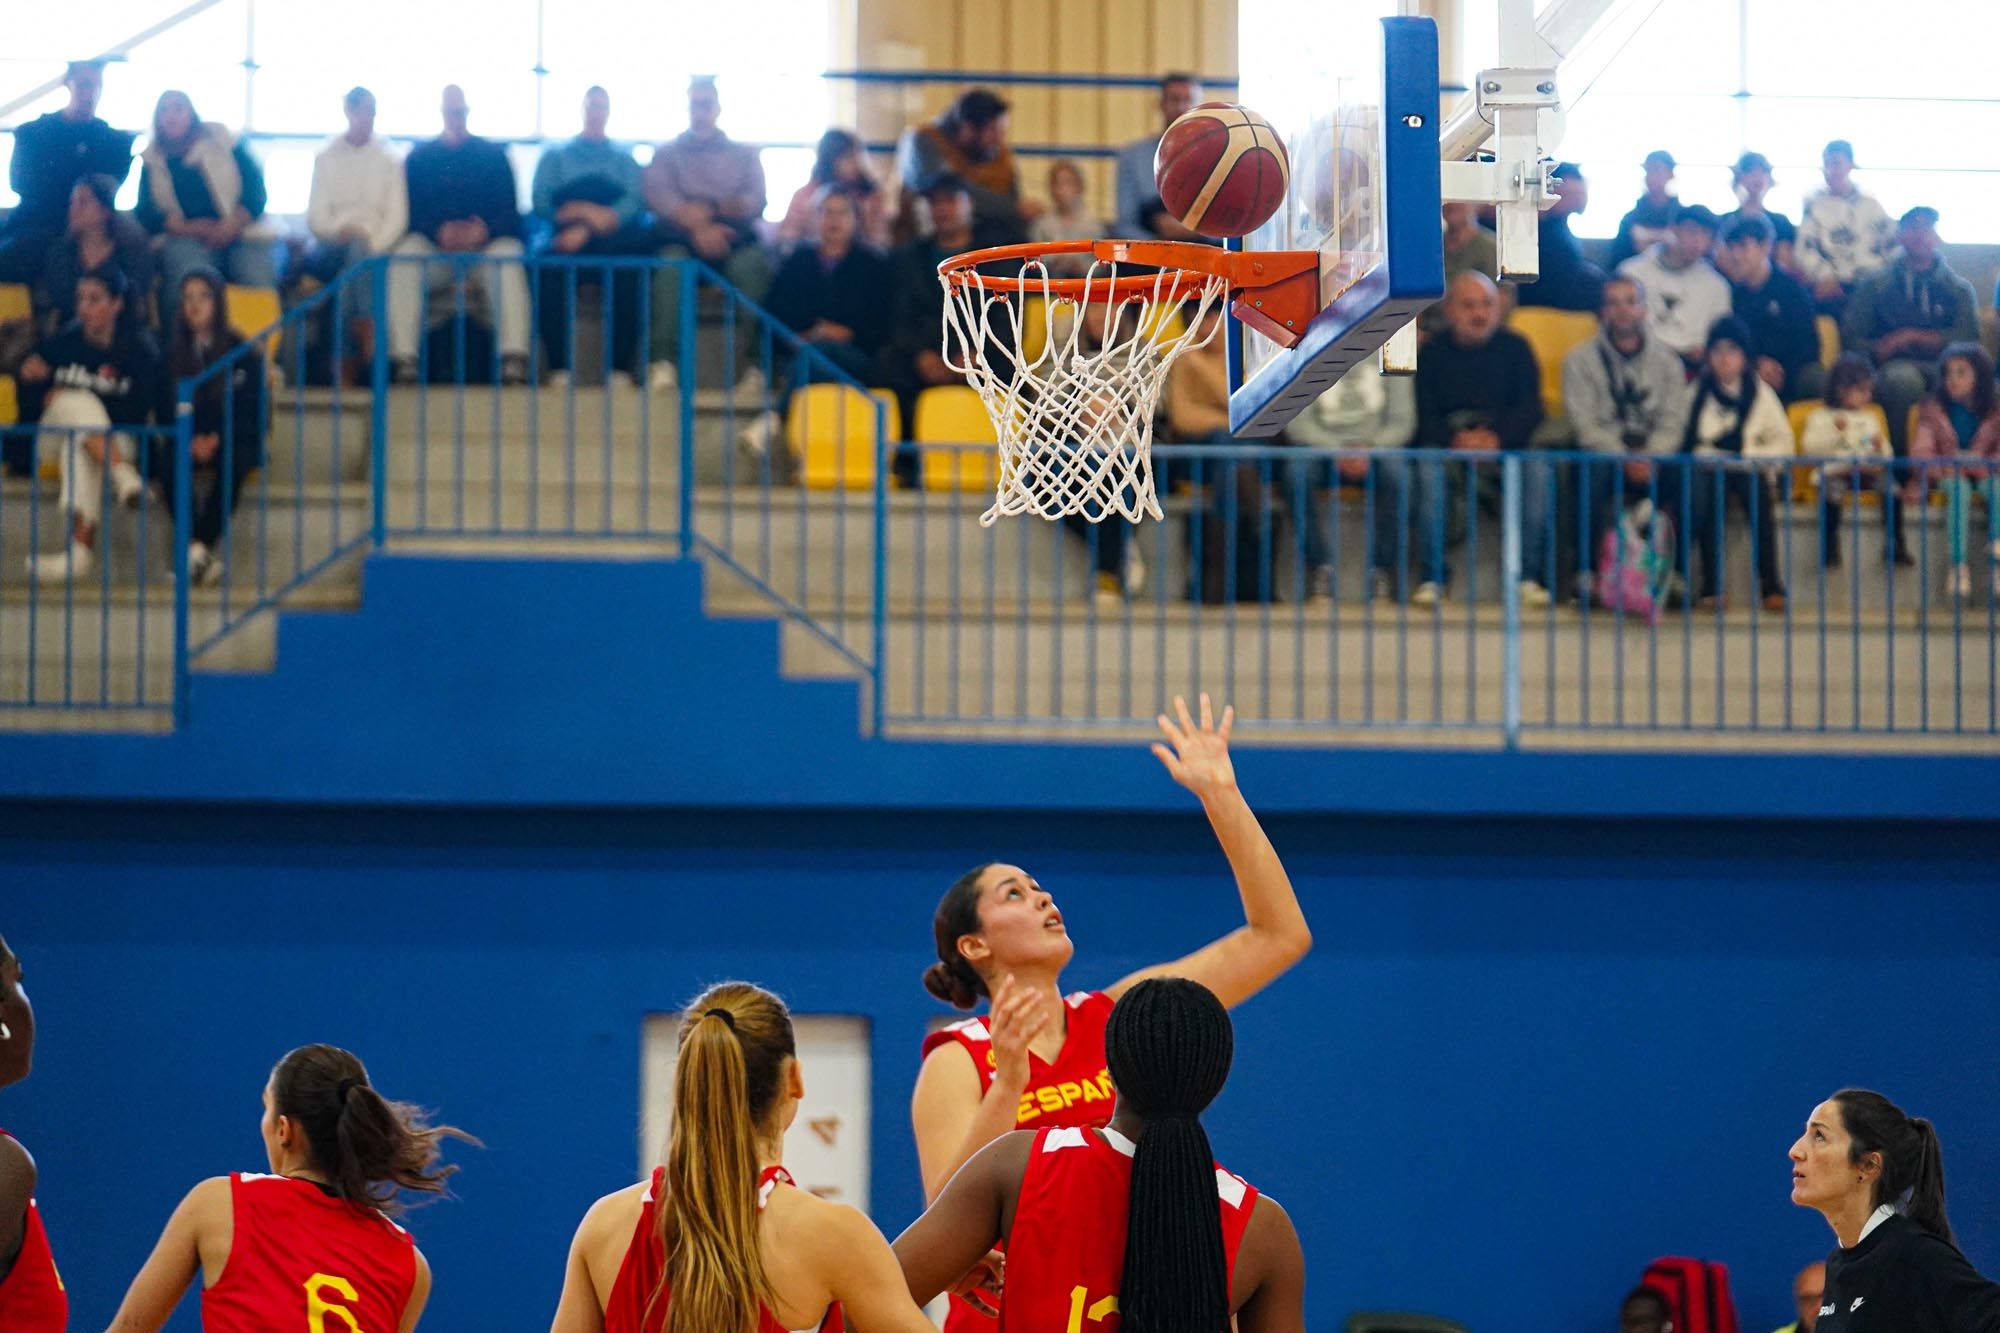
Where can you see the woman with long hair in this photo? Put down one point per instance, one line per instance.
(228, 427)
(1877, 1175)
(32, 1298)
(840, 162)
(1037, 1057)
(719, 1239)
(1961, 421)
(312, 1244)
(202, 194)
(1133, 1220)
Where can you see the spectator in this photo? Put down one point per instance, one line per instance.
(1478, 392)
(359, 206)
(1845, 235)
(1365, 409)
(830, 294)
(52, 153)
(969, 141)
(1961, 421)
(202, 191)
(707, 190)
(586, 196)
(1845, 427)
(911, 359)
(1231, 522)
(1753, 180)
(1903, 315)
(1468, 245)
(1733, 418)
(1777, 309)
(1644, 1310)
(98, 235)
(1625, 394)
(1067, 219)
(1568, 281)
(96, 373)
(463, 201)
(840, 159)
(1120, 571)
(1684, 293)
(228, 426)
(1651, 220)
(1141, 215)
(1808, 1289)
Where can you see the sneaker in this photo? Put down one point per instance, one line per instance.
(622, 379)
(1427, 594)
(1830, 560)
(1319, 584)
(762, 432)
(513, 369)
(403, 370)
(127, 487)
(1135, 570)
(1901, 557)
(1958, 582)
(204, 570)
(1709, 602)
(1774, 602)
(664, 378)
(1380, 587)
(61, 566)
(1110, 591)
(1534, 597)
(751, 387)
(560, 380)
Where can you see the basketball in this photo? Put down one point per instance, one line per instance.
(1221, 169)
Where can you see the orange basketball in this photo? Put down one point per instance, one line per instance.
(1221, 170)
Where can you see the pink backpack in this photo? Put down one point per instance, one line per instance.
(1636, 562)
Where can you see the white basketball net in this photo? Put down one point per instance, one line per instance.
(1075, 421)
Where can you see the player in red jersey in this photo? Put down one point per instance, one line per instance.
(1132, 1226)
(1037, 1058)
(719, 1240)
(310, 1246)
(32, 1299)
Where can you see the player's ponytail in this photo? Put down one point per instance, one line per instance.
(735, 1041)
(1912, 1176)
(366, 1146)
(1168, 1045)
(951, 978)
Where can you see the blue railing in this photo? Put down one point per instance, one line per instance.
(1291, 580)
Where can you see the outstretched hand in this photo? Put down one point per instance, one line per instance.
(1198, 756)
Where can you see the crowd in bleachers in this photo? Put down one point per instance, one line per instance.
(1709, 337)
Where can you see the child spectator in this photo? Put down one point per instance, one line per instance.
(1961, 421)
(1733, 416)
(1844, 426)
(1067, 219)
(1753, 180)
(839, 160)
(201, 193)
(228, 419)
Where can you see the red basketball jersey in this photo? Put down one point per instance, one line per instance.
(1066, 1253)
(1073, 1090)
(302, 1259)
(32, 1299)
(646, 1261)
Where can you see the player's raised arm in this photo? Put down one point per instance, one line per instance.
(1274, 934)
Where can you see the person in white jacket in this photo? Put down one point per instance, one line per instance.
(359, 207)
(1845, 234)
(1684, 293)
(1734, 421)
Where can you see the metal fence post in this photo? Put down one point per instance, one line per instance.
(686, 370)
(1510, 598)
(378, 412)
(878, 594)
(183, 520)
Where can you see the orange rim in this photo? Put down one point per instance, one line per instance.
(1172, 283)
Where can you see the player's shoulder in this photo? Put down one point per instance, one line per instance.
(17, 1174)
(616, 1213)
(967, 1034)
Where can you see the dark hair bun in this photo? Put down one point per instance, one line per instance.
(945, 983)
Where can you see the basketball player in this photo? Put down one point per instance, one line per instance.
(311, 1245)
(720, 1240)
(1877, 1176)
(1133, 1222)
(1037, 1058)
(32, 1299)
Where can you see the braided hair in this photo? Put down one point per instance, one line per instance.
(1168, 1046)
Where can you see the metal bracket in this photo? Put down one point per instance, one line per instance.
(1512, 89)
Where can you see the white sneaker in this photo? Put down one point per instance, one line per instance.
(1534, 597)
(1135, 568)
(61, 566)
(762, 432)
(558, 379)
(622, 379)
(664, 378)
(204, 569)
(751, 387)
(1958, 582)
(1427, 594)
(126, 485)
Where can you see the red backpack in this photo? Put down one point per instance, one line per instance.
(1696, 1292)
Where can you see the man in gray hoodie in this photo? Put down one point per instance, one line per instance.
(1625, 394)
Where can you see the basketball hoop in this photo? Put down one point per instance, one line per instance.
(1072, 405)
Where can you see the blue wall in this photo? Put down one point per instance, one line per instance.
(1522, 1060)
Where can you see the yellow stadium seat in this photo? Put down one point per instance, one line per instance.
(1034, 327)
(1552, 333)
(252, 310)
(953, 414)
(1828, 329)
(10, 405)
(15, 302)
(831, 430)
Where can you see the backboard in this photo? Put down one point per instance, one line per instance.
(1353, 90)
